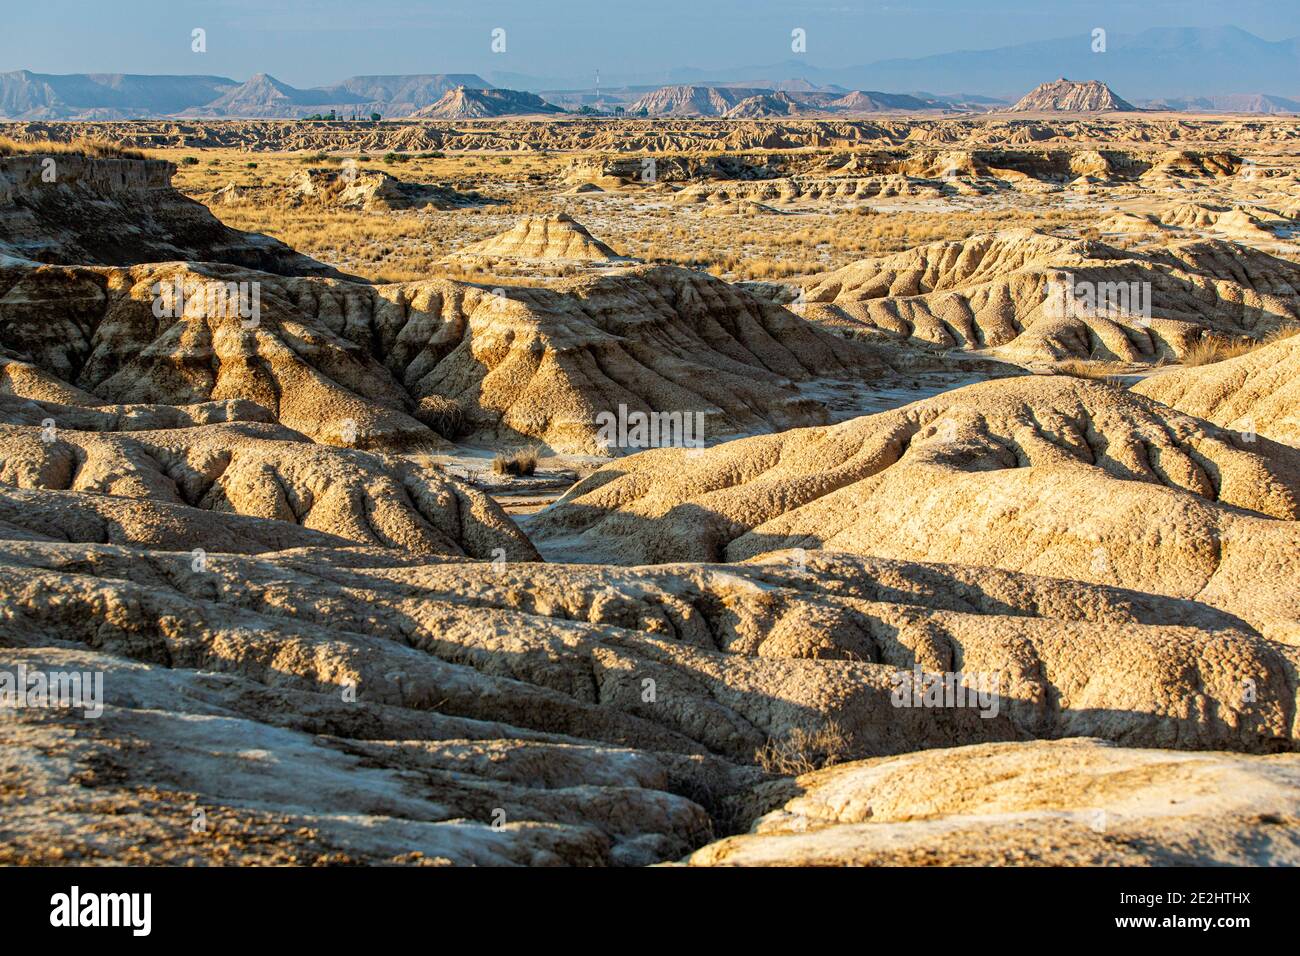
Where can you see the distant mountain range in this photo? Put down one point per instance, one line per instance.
(103, 96)
(1228, 103)
(1177, 62)
(795, 99)
(1200, 69)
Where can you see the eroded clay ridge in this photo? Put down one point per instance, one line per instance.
(1064, 803)
(402, 366)
(525, 713)
(1037, 298)
(1256, 392)
(542, 238)
(178, 486)
(1043, 474)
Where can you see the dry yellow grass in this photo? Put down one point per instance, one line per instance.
(402, 245)
(1099, 371)
(1280, 333)
(85, 146)
(517, 463)
(1216, 348)
(801, 751)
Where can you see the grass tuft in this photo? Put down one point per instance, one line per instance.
(518, 463)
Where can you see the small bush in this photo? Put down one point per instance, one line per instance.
(1216, 348)
(189, 161)
(251, 165)
(443, 415)
(519, 463)
(801, 751)
(1090, 369)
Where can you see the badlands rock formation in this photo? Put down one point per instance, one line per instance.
(369, 189)
(328, 649)
(1043, 475)
(1068, 96)
(395, 367)
(694, 100)
(522, 713)
(1256, 393)
(809, 189)
(138, 217)
(667, 135)
(1064, 803)
(462, 103)
(146, 484)
(540, 238)
(1037, 298)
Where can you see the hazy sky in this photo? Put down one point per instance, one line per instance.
(311, 42)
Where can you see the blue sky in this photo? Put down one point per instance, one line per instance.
(310, 43)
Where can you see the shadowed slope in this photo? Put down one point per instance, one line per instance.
(375, 366)
(1046, 475)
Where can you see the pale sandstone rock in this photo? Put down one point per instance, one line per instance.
(1006, 292)
(263, 471)
(138, 217)
(349, 364)
(1258, 392)
(540, 238)
(1045, 475)
(1068, 96)
(1064, 803)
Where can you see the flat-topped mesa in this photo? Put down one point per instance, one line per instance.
(69, 208)
(1070, 96)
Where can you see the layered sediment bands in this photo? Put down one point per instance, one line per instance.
(138, 217)
(1089, 96)
(357, 365)
(1037, 298)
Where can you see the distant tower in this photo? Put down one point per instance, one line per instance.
(598, 87)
